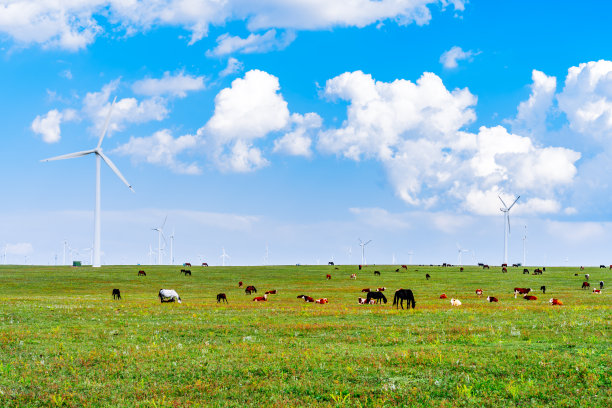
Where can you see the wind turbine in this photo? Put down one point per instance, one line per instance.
(90, 250)
(410, 253)
(506, 211)
(223, 256)
(160, 235)
(99, 155)
(461, 251)
(172, 247)
(363, 245)
(151, 253)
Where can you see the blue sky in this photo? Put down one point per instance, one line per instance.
(306, 125)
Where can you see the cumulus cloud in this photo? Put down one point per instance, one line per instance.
(162, 149)
(532, 113)
(48, 126)
(416, 131)
(74, 24)
(297, 142)
(175, 85)
(449, 58)
(254, 43)
(233, 66)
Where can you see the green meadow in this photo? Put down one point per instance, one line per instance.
(65, 342)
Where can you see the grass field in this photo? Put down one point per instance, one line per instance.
(65, 342)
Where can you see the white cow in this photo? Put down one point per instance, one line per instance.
(169, 295)
(455, 302)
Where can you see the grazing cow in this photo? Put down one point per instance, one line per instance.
(461, 269)
(455, 302)
(240, 284)
(597, 291)
(521, 291)
(187, 264)
(543, 289)
(427, 276)
(575, 274)
(492, 299)
(582, 268)
(443, 296)
(530, 297)
(142, 273)
(404, 267)
(365, 290)
(377, 273)
(537, 271)
(587, 276)
(377, 296)
(601, 284)
(204, 264)
(603, 266)
(250, 289)
(381, 289)
(397, 270)
(504, 269)
(353, 276)
(328, 276)
(271, 292)
(168, 295)
(525, 271)
(116, 294)
(186, 272)
(504, 265)
(480, 264)
(516, 265)
(479, 292)
(555, 302)
(359, 267)
(321, 301)
(485, 266)
(220, 297)
(408, 296)
(585, 285)
(260, 298)
(330, 263)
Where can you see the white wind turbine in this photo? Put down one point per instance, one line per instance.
(363, 245)
(410, 253)
(151, 253)
(223, 256)
(172, 247)
(160, 235)
(506, 211)
(461, 251)
(99, 155)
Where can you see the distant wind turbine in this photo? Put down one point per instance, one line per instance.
(363, 245)
(151, 253)
(506, 211)
(410, 253)
(223, 256)
(160, 235)
(172, 247)
(461, 251)
(99, 155)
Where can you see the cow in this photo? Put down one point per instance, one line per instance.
(443, 296)
(521, 291)
(360, 267)
(479, 292)
(220, 297)
(260, 298)
(555, 302)
(376, 273)
(365, 290)
(582, 268)
(543, 289)
(397, 270)
(427, 276)
(186, 272)
(142, 273)
(516, 265)
(116, 294)
(504, 269)
(587, 276)
(530, 297)
(240, 284)
(353, 276)
(480, 264)
(361, 300)
(204, 264)
(597, 291)
(377, 296)
(401, 295)
(306, 298)
(250, 289)
(381, 289)
(168, 295)
(537, 271)
(601, 284)
(271, 292)
(331, 263)
(492, 299)
(404, 267)
(321, 301)
(455, 302)
(461, 269)
(504, 265)
(585, 285)
(485, 266)
(525, 271)
(187, 264)
(604, 266)
(328, 276)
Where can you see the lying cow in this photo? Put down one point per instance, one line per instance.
(455, 302)
(260, 298)
(479, 292)
(597, 291)
(271, 292)
(492, 299)
(168, 295)
(321, 301)
(443, 296)
(555, 302)
(530, 297)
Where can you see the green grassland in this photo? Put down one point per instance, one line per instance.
(65, 342)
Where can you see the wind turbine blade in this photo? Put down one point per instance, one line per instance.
(514, 202)
(115, 169)
(368, 242)
(70, 155)
(500, 199)
(165, 219)
(106, 123)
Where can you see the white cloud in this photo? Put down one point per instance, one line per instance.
(233, 66)
(297, 142)
(532, 113)
(162, 149)
(49, 125)
(22, 248)
(74, 24)
(449, 58)
(254, 43)
(175, 85)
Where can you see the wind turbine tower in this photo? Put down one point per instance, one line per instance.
(461, 251)
(506, 212)
(160, 235)
(172, 248)
(410, 253)
(363, 245)
(223, 256)
(99, 156)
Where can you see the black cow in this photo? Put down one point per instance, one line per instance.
(427, 276)
(543, 289)
(376, 295)
(525, 271)
(401, 295)
(377, 273)
(331, 263)
(116, 294)
(220, 297)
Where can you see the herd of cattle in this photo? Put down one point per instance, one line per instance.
(376, 296)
